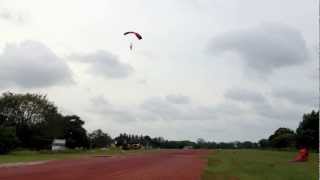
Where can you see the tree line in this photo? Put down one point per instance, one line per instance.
(31, 121)
(124, 140)
(306, 135)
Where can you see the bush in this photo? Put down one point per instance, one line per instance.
(8, 139)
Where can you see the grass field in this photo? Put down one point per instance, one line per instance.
(28, 156)
(259, 164)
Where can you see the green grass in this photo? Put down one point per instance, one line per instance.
(28, 156)
(259, 164)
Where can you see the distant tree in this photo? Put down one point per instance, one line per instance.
(264, 143)
(212, 145)
(146, 141)
(125, 140)
(157, 142)
(121, 140)
(201, 143)
(247, 145)
(308, 130)
(74, 133)
(282, 137)
(99, 139)
(225, 145)
(176, 144)
(136, 139)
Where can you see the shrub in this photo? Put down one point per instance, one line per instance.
(8, 139)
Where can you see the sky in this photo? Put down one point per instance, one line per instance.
(212, 69)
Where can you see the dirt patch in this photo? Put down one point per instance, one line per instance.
(168, 165)
(6, 165)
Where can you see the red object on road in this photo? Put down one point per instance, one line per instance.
(302, 156)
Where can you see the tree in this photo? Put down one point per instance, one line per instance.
(282, 137)
(201, 143)
(29, 114)
(308, 130)
(121, 140)
(74, 133)
(99, 139)
(25, 109)
(146, 141)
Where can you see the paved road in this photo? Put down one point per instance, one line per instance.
(163, 165)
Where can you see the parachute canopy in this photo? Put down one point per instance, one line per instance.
(302, 156)
(135, 33)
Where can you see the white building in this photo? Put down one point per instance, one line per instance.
(58, 144)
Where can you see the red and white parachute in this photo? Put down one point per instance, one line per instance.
(137, 35)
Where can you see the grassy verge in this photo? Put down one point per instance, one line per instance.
(259, 165)
(28, 156)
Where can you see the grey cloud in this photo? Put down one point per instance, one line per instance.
(220, 116)
(107, 110)
(306, 98)
(32, 64)
(100, 101)
(177, 99)
(214, 118)
(264, 48)
(273, 112)
(260, 115)
(159, 108)
(262, 106)
(230, 109)
(11, 16)
(245, 96)
(105, 64)
(152, 109)
(259, 105)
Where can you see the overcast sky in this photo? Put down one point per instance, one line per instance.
(213, 69)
